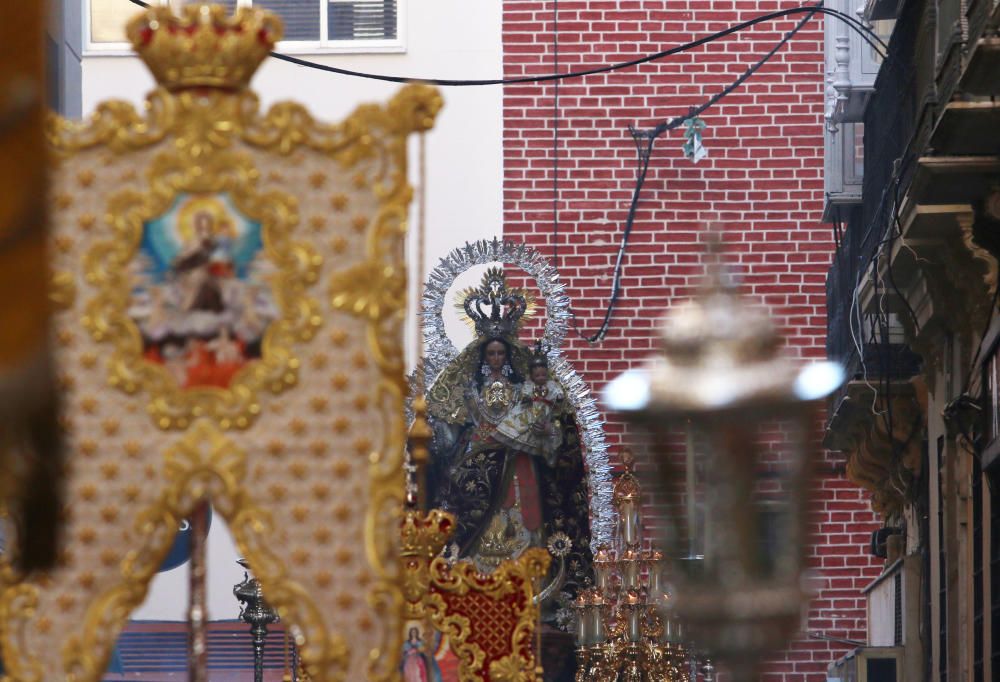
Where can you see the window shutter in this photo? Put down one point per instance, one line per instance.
(301, 17)
(361, 19)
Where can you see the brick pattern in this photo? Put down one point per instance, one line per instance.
(762, 183)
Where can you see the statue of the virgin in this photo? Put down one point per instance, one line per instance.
(505, 458)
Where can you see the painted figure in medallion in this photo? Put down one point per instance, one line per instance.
(200, 293)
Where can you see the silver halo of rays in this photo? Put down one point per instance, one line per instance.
(439, 351)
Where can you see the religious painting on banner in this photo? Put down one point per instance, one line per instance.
(229, 289)
(201, 296)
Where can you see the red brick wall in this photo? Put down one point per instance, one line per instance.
(763, 180)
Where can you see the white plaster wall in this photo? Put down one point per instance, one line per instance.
(444, 39)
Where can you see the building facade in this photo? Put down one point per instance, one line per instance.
(761, 185)
(912, 298)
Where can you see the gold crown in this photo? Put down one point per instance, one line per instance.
(425, 535)
(203, 46)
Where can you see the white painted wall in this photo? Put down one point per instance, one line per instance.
(444, 39)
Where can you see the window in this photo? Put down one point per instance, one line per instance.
(310, 25)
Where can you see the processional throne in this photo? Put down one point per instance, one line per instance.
(489, 606)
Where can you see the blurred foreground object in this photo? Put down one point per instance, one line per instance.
(30, 443)
(749, 411)
(229, 294)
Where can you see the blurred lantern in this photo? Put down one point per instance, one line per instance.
(721, 383)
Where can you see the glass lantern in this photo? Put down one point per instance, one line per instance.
(722, 383)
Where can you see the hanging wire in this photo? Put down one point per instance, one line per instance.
(869, 36)
(866, 33)
(644, 140)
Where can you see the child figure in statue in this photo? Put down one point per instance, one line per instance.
(530, 425)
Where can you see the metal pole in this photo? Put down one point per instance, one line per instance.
(690, 481)
(197, 597)
(259, 633)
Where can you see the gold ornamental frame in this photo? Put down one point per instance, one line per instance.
(106, 316)
(302, 454)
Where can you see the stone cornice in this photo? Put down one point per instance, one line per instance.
(884, 463)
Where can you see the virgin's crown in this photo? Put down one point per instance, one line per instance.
(495, 310)
(203, 46)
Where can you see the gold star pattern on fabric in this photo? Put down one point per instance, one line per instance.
(85, 178)
(321, 491)
(297, 427)
(338, 244)
(362, 446)
(64, 243)
(109, 557)
(317, 180)
(338, 337)
(109, 470)
(341, 424)
(86, 222)
(317, 223)
(338, 202)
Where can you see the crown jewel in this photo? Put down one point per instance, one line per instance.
(203, 46)
(495, 310)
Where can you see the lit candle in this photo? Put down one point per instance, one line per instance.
(602, 567)
(630, 569)
(583, 636)
(655, 575)
(598, 619)
(633, 605)
(629, 521)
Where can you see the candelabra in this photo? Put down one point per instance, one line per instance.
(255, 611)
(624, 630)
